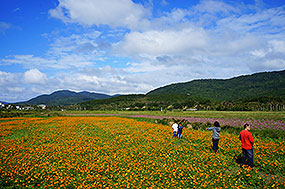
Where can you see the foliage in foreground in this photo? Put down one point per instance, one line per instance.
(102, 152)
(6, 114)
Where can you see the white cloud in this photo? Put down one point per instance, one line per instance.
(167, 42)
(143, 67)
(6, 78)
(29, 61)
(164, 2)
(15, 89)
(214, 7)
(65, 52)
(4, 26)
(74, 61)
(76, 43)
(106, 80)
(275, 64)
(278, 46)
(214, 33)
(259, 53)
(208, 12)
(275, 49)
(262, 22)
(60, 61)
(34, 76)
(267, 64)
(11, 89)
(115, 13)
(16, 9)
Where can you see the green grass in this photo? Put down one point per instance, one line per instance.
(277, 115)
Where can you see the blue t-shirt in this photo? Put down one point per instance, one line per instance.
(216, 130)
(180, 127)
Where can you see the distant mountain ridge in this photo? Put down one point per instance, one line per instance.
(242, 87)
(260, 91)
(4, 102)
(259, 87)
(65, 97)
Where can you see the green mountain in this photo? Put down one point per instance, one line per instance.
(143, 102)
(4, 102)
(244, 87)
(65, 97)
(260, 91)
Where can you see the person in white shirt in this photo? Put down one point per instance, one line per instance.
(175, 129)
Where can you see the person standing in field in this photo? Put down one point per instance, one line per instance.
(216, 135)
(247, 146)
(179, 134)
(175, 129)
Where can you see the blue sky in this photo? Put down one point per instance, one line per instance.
(125, 47)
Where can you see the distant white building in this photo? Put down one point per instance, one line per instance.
(2, 105)
(42, 106)
(28, 108)
(191, 109)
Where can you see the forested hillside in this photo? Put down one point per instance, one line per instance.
(261, 91)
(244, 87)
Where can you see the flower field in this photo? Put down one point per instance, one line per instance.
(257, 123)
(234, 122)
(102, 152)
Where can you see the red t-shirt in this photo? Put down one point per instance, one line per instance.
(246, 139)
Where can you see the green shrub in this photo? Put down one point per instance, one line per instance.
(269, 133)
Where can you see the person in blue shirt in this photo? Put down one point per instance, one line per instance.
(179, 134)
(216, 135)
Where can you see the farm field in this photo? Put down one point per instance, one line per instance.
(273, 115)
(258, 120)
(115, 152)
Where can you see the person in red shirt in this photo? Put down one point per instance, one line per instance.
(247, 146)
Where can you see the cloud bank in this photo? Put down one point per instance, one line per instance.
(115, 13)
